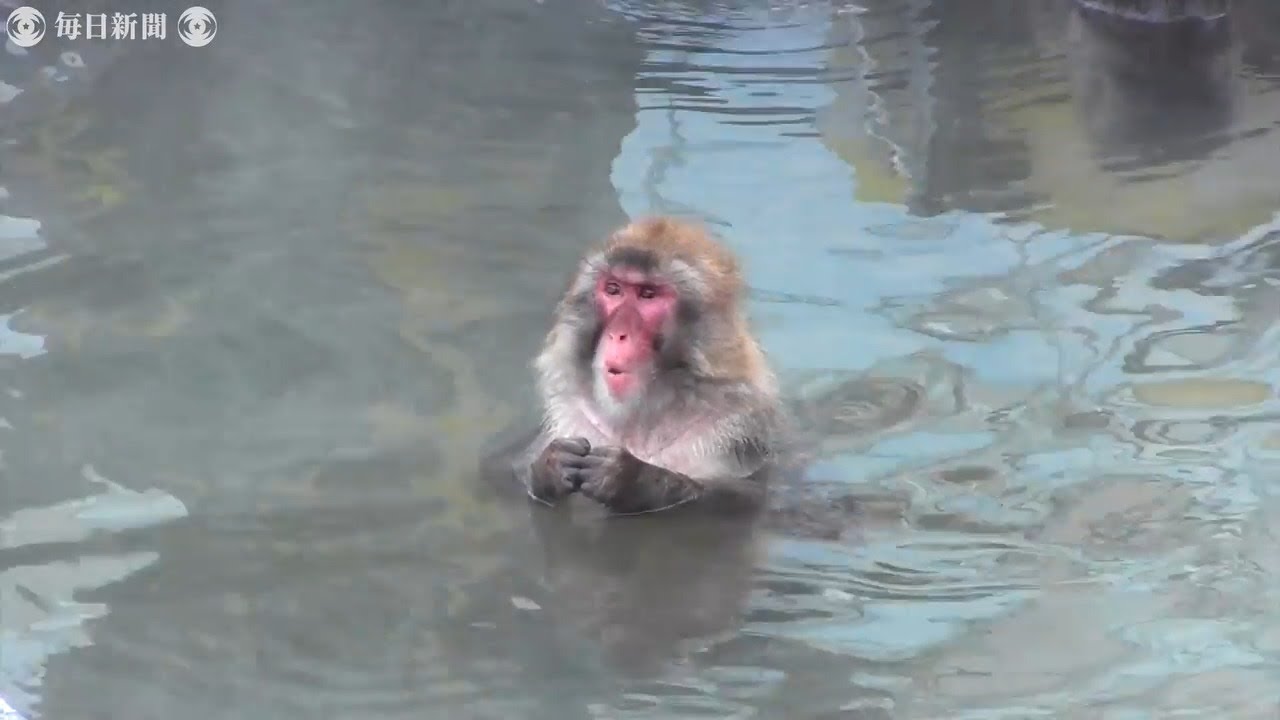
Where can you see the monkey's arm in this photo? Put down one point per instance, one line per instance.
(656, 489)
(628, 485)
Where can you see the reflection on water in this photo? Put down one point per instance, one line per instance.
(263, 300)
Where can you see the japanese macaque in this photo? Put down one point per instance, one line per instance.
(655, 395)
(656, 399)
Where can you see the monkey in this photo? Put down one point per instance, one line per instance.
(655, 395)
(657, 401)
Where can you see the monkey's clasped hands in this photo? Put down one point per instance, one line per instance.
(607, 475)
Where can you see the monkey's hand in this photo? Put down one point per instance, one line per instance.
(627, 485)
(558, 470)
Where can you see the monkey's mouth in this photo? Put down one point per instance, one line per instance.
(619, 381)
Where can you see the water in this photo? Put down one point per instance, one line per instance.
(262, 300)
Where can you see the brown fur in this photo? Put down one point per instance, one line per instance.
(675, 239)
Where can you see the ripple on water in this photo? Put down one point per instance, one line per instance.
(1120, 517)
(40, 613)
(861, 406)
(892, 598)
(341, 616)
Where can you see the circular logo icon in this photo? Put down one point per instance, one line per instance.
(25, 26)
(197, 26)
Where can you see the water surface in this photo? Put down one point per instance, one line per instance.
(262, 300)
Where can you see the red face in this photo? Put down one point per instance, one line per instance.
(635, 309)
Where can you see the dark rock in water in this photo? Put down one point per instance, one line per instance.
(1158, 11)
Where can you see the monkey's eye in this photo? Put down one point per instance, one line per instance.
(648, 291)
(612, 288)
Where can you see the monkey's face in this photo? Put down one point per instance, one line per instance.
(636, 308)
